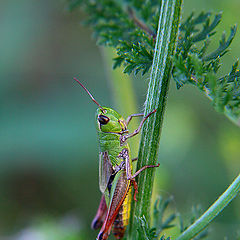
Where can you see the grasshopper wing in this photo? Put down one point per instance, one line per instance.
(101, 214)
(119, 190)
(105, 170)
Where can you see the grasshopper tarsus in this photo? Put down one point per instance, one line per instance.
(148, 115)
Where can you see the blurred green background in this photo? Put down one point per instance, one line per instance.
(48, 147)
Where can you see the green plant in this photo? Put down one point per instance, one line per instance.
(148, 35)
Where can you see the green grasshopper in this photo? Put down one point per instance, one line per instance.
(115, 170)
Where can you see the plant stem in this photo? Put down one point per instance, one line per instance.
(156, 99)
(213, 211)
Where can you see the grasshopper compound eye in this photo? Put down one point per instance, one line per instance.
(103, 119)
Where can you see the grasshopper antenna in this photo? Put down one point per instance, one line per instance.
(90, 95)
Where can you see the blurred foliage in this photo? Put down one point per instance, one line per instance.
(147, 232)
(196, 213)
(48, 152)
(163, 220)
(160, 221)
(45, 228)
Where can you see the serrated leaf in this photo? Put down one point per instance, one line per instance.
(208, 28)
(145, 232)
(113, 26)
(223, 45)
(160, 221)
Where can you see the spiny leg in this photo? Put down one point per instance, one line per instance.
(125, 137)
(143, 168)
(132, 177)
(125, 155)
(129, 118)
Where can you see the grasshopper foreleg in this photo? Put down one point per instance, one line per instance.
(125, 155)
(124, 138)
(129, 118)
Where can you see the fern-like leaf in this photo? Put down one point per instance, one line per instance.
(130, 27)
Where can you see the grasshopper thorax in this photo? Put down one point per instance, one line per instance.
(108, 120)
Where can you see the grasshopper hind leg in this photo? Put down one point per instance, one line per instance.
(122, 219)
(124, 154)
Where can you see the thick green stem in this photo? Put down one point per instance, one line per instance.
(212, 212)
(156, 99)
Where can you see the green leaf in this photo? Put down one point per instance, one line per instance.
(208, 28)
(130, 26)
(144, 231)
(160, 221)
(223, 45)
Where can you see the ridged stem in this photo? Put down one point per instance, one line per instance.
(156, 99)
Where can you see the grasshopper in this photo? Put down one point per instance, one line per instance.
(115, 170)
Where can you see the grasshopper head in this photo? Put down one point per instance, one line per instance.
(108, 120)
